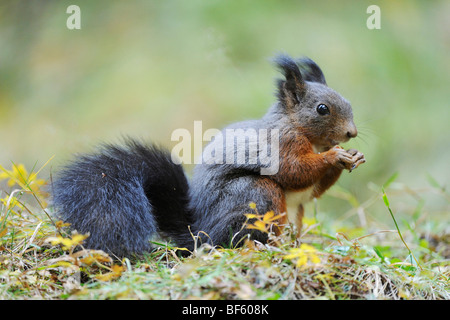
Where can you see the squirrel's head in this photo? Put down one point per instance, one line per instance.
(318, 111)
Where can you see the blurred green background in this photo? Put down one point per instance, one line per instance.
(146, 68)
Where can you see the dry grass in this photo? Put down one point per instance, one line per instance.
(40, 260)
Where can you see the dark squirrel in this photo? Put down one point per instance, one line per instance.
(124, 195)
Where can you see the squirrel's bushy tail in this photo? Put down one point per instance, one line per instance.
(124, 195)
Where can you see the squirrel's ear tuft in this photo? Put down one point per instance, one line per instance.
(310, 70)
(292, 88)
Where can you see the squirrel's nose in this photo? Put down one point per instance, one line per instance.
(352, 132)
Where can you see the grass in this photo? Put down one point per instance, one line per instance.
(39, 259)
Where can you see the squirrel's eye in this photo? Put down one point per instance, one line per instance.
(322, 109)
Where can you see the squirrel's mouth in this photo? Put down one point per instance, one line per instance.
(327, 145)
(323, 147)
(331, 143)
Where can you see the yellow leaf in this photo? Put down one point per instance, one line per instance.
(78, 238)
(54, 240)
(303, 254)
(270, 217)
(96, 257)
(314, 259)
(88, 260)
(3, 175)
(67, 242)
(252, 205)
(115, 273)
(258, 225)
(20, 174)
(302, 261)
(102, 257)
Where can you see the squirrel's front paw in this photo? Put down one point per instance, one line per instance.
(357, 158)
(339, 158)
(345, 159)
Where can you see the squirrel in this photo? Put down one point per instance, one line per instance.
(124, 195)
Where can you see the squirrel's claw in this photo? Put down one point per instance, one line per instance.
(358, 159)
